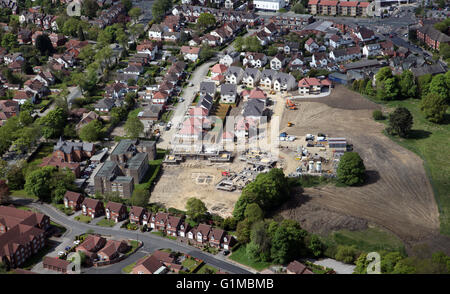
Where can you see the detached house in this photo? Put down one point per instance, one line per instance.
(229, 58)
(256, 60)
(228, 93)
(267, 78)
(251, 77)
(311, 46)
(234, 75)
(73, 200)
(92, 207)
(190, 53)
(112, 250)
(138, 215)
(312, 85)
(116, 211)
(278, 61)
(283, 82)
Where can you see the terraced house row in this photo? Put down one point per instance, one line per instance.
(329, 7)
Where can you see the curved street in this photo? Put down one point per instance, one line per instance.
(151, 243)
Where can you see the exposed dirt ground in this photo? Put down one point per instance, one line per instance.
(398, 195)
(196, 178)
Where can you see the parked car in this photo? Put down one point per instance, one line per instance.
(67, 248)
(226, 252)
(61, 253)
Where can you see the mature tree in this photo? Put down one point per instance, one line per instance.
(389, 261)
(346, 254)
(404, 267)
(438, 86)
(383, 74)
(9, 41)
(253, 251)
(87, 54)
(268, 190)
(316, 246)
(407, 83)
(27, 138)
(133, 127)
(25, 118)
(206, 52)
(127, 4)
(4, 192)
(53, 123)
(195, 209)
(81, 35)
(252, 44)
(89, 8)
(105, 37)
(70, 27)
(299, 8)
(400, 121)
(287, 241)
(15, 177)
(135, 12)
(423, 83)
(37, 183)
(253, 213)
(239, 43)
(229, 224)
(434, 107)
(243, 232)
(3, 168)
(388, 89)
(44, 45)
(206, 20)
(159, 9)
(140, 197)
(259, 236)
(351, 170)
(92, 132)
(121, 37)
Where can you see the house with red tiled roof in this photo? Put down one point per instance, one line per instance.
(73, 200)
(190, 53)
(149, 265)
(297, 268)
(137, 215)
(22, 234)
(112, 250)
(91, 245)
(92, 207)
(115, 211)
(56, 264)
(312, 85)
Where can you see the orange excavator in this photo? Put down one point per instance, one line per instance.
(290, 105)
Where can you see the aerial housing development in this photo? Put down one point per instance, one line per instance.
(224, 137)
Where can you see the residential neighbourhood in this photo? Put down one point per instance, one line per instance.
(224, 137)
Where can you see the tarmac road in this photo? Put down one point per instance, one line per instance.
(151, 243)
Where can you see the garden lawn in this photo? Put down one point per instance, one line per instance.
(83, 218)
(106, 223)
(432, 143)
(240, 256)
(204, 267)
(189, 263)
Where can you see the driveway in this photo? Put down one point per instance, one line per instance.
(151, 242)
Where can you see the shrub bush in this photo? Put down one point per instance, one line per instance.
(377, 115)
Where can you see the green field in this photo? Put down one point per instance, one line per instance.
(240, 256)
(371, 239)
(432, 143)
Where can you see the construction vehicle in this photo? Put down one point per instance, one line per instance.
(290, 105)
(289, 124)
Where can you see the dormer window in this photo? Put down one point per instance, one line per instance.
(225, 239)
